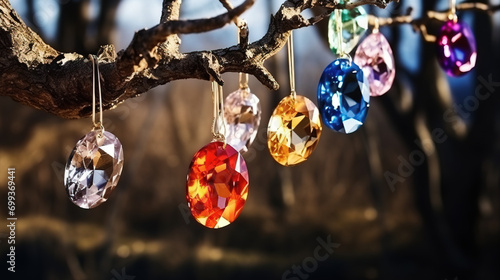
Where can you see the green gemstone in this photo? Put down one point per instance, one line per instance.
(354, 25)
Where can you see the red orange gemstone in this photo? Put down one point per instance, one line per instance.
(217, 185)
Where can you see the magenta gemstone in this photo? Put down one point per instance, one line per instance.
(456, 48)
(374, 56)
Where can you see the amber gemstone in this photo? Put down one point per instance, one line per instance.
(294, 130)
(217, 185)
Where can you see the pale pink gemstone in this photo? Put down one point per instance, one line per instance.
(93, 168)
(242, 112)
(374, 56)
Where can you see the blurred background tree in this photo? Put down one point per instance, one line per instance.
(441, 221)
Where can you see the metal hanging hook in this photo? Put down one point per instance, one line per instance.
(338, 23)
(219, 122)
(291, 65)
(453, 11)
(95, 68)
(376, 25)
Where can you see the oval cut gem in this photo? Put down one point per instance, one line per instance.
(343, 96)
(456, 48)
(217, 185)
(294, 130)
(93, 169)
(242, 112)
(354, 25)
(374, 56)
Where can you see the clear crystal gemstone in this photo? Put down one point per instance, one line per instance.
(374, 56)
(93, 169)
(242, 112)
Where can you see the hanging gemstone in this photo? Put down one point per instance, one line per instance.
(217, 185)
(343, 96)
(93, 169)
(354, 25)
(456, 48)
(242, 112)
(374, 56)
(294, 130)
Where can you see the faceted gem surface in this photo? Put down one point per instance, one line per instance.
(456, 48)
(354, 25)
(294, 130)
(374, 56)
(217, 185)
(242, 112)
(93, 169)
(343, 96)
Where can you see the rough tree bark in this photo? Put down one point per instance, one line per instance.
(35, 74)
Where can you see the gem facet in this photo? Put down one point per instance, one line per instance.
(354, 25)
(242, 112)
(93, 169)
(456, 48)
(343, 96)
(374, 56)
(217, 185)
(294, 130)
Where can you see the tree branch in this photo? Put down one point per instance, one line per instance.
(171, 10)
(419, 24)
(33, 73)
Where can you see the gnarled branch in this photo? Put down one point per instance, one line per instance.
(35, 74)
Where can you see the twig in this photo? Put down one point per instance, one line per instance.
(419, 24)
(33, 73)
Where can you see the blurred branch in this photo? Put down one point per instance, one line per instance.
(171, 10)
(229, 7)
(35, 74)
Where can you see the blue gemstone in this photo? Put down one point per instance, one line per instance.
(343, 96)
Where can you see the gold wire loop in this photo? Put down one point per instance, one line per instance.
(243, 80)
(219, 122)
(99, 127)
(95, 68)
(376, 25)
(348, 57)
(291, 65)
(453, 11)
(338, 21)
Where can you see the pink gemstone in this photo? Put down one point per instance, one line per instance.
(374, 56)
(93, 169)
(242, 112)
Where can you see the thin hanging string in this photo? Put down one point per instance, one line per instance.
(221, 113)
(376, 25)
(338, 18)
(219, 122)
(243, 77)
(453, 11)
(215, 102)
(95, 68)
(338, 21)
(291, 65)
